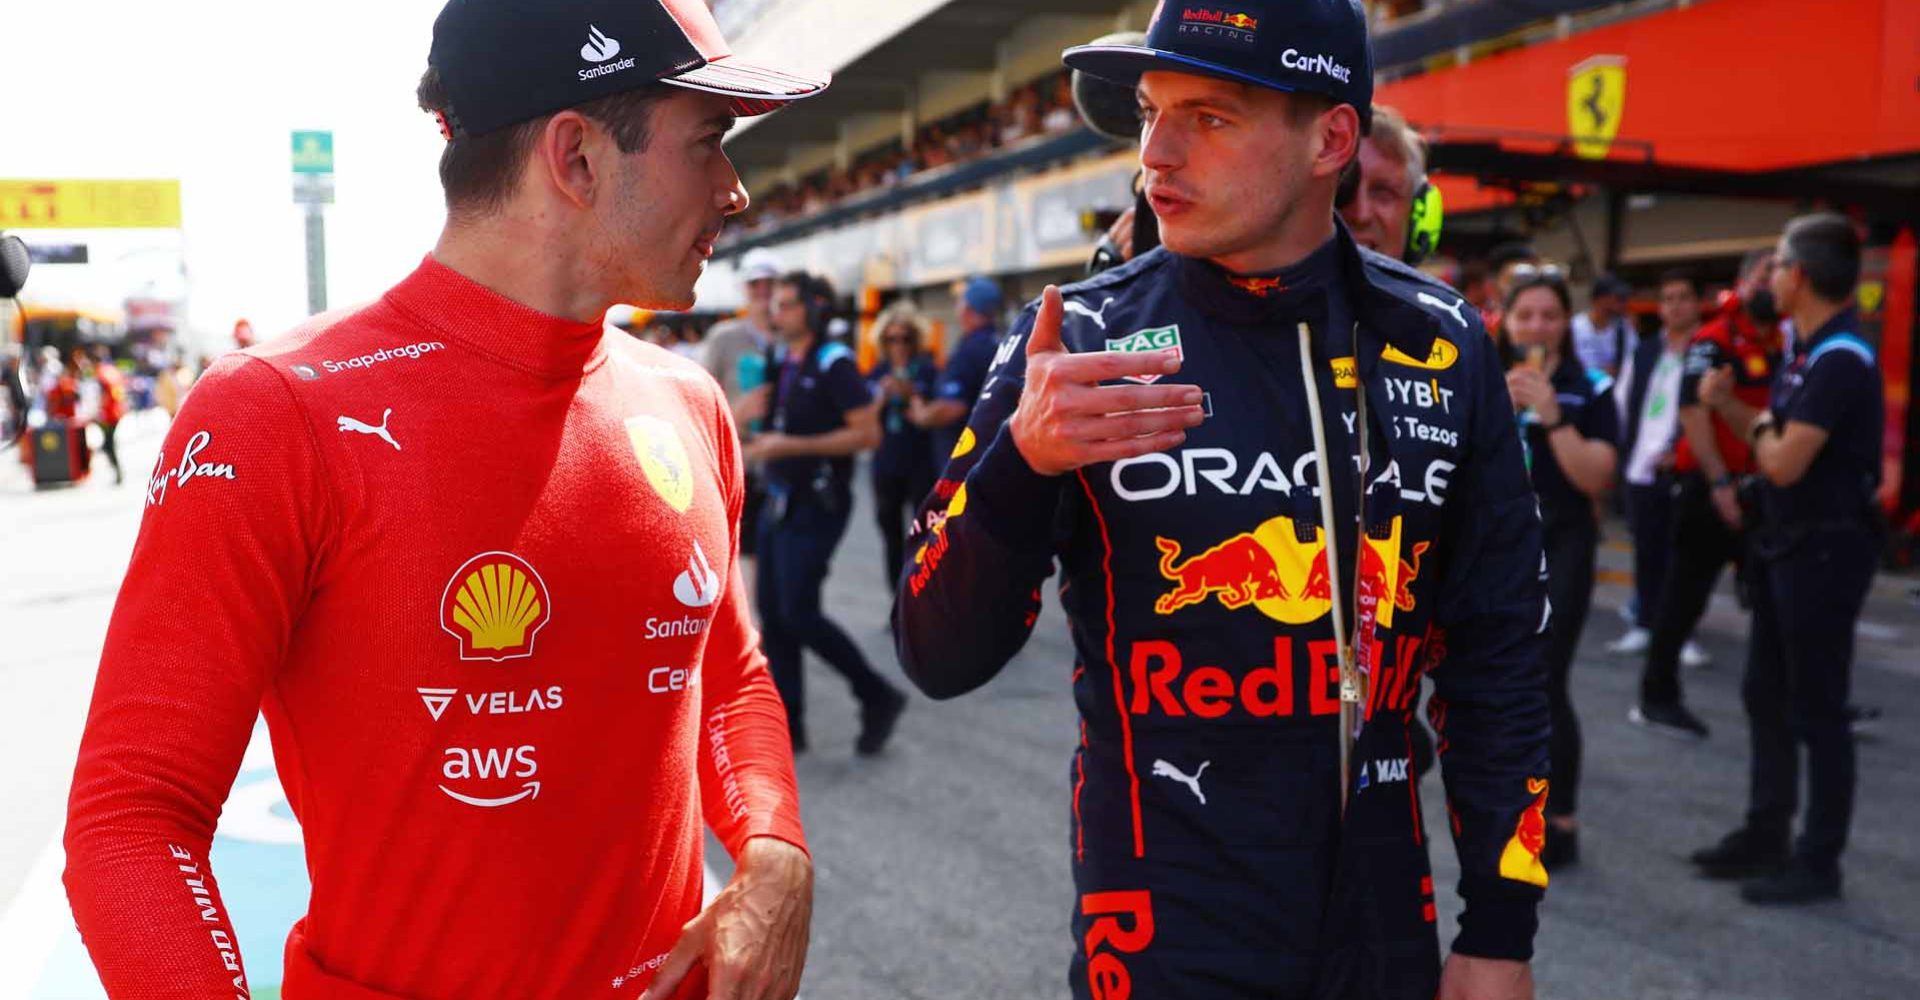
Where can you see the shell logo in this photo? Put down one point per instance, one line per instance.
(495, 604)
(1441, 358)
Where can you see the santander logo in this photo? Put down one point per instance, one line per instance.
(599, 47)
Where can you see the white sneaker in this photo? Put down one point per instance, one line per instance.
(1693, 657)
(1633, 643)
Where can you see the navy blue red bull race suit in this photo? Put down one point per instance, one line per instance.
(1210, 856)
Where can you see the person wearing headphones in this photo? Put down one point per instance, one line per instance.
(1386, 198)
(1275, 470)
(819, 414)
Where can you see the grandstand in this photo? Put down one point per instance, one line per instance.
(1617, 135)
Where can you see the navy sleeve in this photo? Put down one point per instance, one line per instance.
(1600, 420)
(980, 549)
(966, 370)
(1490, 698)
(844, 385)
(1836, 383)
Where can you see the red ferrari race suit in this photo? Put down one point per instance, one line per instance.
(475, 565)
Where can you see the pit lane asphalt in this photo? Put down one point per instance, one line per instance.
(942, 865)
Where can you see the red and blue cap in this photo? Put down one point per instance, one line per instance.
(507, 61)
(1310, 46)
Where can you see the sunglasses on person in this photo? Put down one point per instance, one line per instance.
(896, 337)
(1528, 272)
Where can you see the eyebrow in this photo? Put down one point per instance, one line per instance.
(1219, 101)
(724, 123)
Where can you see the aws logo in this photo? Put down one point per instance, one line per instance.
(1439, 359)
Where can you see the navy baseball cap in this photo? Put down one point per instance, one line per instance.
(507, 61)
(1314, 46)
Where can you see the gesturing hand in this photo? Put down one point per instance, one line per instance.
(753, 938)
(1067, 419)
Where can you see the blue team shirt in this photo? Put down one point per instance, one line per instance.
(812, 395)
(1834, 384)
(904, 448)
(963, 379)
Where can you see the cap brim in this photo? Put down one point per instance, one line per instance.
(1127, 63)
(755, 89)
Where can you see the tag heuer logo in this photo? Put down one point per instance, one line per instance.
(1154, 338)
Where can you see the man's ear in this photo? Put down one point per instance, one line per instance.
(564, 154)
(1337, 140)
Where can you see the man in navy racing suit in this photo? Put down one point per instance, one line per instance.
(1152, 429)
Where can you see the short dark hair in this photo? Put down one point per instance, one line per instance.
(1553, 284)
(1511, 252)
(1682, 276)
(478, 172)
(1826, 248)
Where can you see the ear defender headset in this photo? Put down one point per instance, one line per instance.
(1424, 217)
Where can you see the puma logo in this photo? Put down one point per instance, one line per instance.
(1097, 315)
(350, 424)
(1162, 769)
(1454, 309)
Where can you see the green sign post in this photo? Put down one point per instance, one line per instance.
(313, 152)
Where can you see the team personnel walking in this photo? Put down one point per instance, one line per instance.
(482, 587)
(819, 415)
(1247, 449)
(1817, 450)
(1568, 425)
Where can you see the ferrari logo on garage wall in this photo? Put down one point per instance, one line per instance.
(1596, 102)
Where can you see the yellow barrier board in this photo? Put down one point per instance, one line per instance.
(74, 204)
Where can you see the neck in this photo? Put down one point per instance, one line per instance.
(800, 345)
(1679, 336)
(760, 316)
(1814, 315)
(1299, 234)
(537, 273)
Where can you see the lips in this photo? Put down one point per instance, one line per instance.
(1167, 203)
(704, 245)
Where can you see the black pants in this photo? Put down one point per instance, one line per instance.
(794, 558)
(1702, 545)
(112, 453)
(1570, 545)
(1650, 518)
(896, 496)
(1799, 669)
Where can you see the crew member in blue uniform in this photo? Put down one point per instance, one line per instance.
(1817, 447)
(820, 414)
(1254, 450)
(944, 413)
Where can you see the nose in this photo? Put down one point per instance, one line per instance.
(1162, 146)
(733, 194)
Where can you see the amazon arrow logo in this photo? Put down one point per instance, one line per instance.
(531, 790)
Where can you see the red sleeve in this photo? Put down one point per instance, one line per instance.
(219, 575)
(747, 788)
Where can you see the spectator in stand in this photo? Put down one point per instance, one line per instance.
(903, 467)
(1060, 116)
(1603, 335)
(243, 335)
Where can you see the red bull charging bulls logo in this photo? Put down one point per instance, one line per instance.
(1280, 568)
